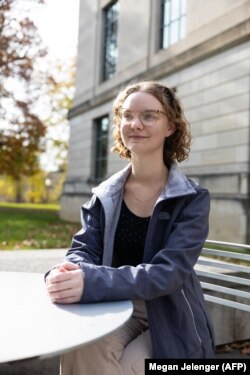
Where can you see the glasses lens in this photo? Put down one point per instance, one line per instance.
(149, 118)
(126, 116)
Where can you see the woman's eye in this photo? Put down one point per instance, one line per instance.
(149, 116)
(127, 116)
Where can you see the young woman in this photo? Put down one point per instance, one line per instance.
(142, 233)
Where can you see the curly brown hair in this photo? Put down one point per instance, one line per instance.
(177, 145)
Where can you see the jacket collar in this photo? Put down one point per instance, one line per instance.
(178, 184)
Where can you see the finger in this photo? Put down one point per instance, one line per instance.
(70, 266)
(69, 289)
(61, 269)
(62, 281)
(59, 286)
(55, 296)
(58, 269)
(65, 281)
(74, 292)
(64, 294)
(66, 300)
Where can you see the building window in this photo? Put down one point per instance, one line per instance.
(110, 50)
(173, 22)
(101, 147)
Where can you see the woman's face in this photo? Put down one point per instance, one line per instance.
(144, 125)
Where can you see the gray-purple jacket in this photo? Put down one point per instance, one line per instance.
(179, 323)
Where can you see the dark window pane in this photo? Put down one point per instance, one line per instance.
(110, 53)
(101, 147)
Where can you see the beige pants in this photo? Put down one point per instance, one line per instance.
(121, 353)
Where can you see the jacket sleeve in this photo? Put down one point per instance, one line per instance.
(87, 244)
(169, 267)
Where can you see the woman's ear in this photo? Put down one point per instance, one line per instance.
(171, 129)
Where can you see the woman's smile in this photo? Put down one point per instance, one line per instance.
(137, 136)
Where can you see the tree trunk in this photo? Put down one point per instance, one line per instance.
(18, 184)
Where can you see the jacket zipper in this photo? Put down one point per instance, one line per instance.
(191, 312)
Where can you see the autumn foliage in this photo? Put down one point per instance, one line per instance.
(21, 130)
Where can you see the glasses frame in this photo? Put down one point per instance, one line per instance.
(127, 122)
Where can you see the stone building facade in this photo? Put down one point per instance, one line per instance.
(199, 47)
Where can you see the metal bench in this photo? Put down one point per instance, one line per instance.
(220, 273)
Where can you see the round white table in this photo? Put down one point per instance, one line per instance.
(31, 326)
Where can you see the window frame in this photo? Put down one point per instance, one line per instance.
(169, 21)
(110, 15)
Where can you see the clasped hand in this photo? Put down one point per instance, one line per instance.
(65, 283)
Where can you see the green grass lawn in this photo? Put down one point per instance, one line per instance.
(26, 226)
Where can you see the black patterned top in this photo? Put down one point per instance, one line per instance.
(130, 238)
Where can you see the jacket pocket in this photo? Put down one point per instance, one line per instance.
(189, 309)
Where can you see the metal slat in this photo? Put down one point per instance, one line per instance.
(228, 254)
(226, 302)
(227, 266)
(229, 244)
(214, 263)
(223, 289)
(218, 276)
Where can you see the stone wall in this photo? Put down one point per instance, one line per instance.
(210, 69)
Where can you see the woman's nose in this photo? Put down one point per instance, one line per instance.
(136, 123)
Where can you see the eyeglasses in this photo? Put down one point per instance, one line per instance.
(148, 117)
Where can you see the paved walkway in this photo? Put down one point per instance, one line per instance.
(30, 260)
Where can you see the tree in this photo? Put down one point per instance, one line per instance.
(60, 92)
(21, 129)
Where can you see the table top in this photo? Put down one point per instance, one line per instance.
(31, 326)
